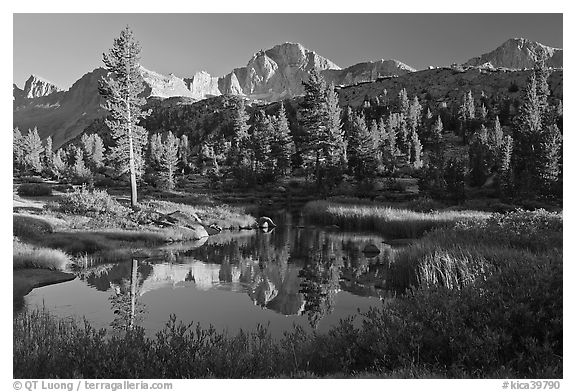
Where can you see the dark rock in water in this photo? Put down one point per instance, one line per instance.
(265, 222)
(371, 249)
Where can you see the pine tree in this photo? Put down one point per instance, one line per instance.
(80, 172)
(59, 166)
(436, 133)
(526, 135)
(361, 151)
(282, 146)
(169, 161)
(415, 150)
(388, 149)
(547, 157)
(314, 121)
(18, 149)
(495, 139)
(122, 101)
(334, 151)
(505, 183)
(541, 74)
(239, 157)
(33, 150)
(466, 113)
(93, 150)
(483, 113)
(479, 155)
(403, 103)
(184, 153)
(404, 141)
(414, 115)
(156, 150)
(260, 141)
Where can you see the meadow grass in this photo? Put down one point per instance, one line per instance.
(28, 256)
(388, 221)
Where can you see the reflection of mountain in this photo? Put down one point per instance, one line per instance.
(290, 271)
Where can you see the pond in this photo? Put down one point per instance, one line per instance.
(294, 274)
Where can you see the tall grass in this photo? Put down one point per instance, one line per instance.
(28, 256)
(473, 249)
(388, 221)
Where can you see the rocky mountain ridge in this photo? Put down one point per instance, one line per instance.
(271, 75)
(519, 53)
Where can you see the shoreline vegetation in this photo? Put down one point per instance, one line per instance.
(65, 231)
(484, 301)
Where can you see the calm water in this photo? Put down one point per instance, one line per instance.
(295, 274)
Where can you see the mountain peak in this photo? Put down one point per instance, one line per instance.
(519, 53)
(36, 86)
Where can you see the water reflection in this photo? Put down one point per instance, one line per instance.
(291, 270)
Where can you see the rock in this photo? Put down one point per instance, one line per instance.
(202, 85)
(183, 218)
(280, 189)
(212, 229)
(371, 249)
(184, 233)
(37, 87)
(265, 222)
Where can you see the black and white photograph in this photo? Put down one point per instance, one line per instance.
(287, 196)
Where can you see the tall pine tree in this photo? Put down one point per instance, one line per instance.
(122, 101)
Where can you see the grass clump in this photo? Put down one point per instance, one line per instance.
(28, 256)
(34, 189)
(94, 202)
(388, 221)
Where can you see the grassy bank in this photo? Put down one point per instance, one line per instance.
(388, 221)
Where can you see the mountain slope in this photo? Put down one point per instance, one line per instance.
(518, 53)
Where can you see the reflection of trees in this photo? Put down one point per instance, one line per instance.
(128, 311)
(320, 280)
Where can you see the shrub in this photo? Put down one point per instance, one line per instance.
(34, 189)
(84, 201)
(29, 227)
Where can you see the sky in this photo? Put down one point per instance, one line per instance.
(63, 47)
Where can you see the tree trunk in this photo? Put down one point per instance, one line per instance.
(133, 190)
(133, 282)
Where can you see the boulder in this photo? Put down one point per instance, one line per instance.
(182, 219)
(184, 233)
(212, 229)
(265, 222)
(371, 249)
